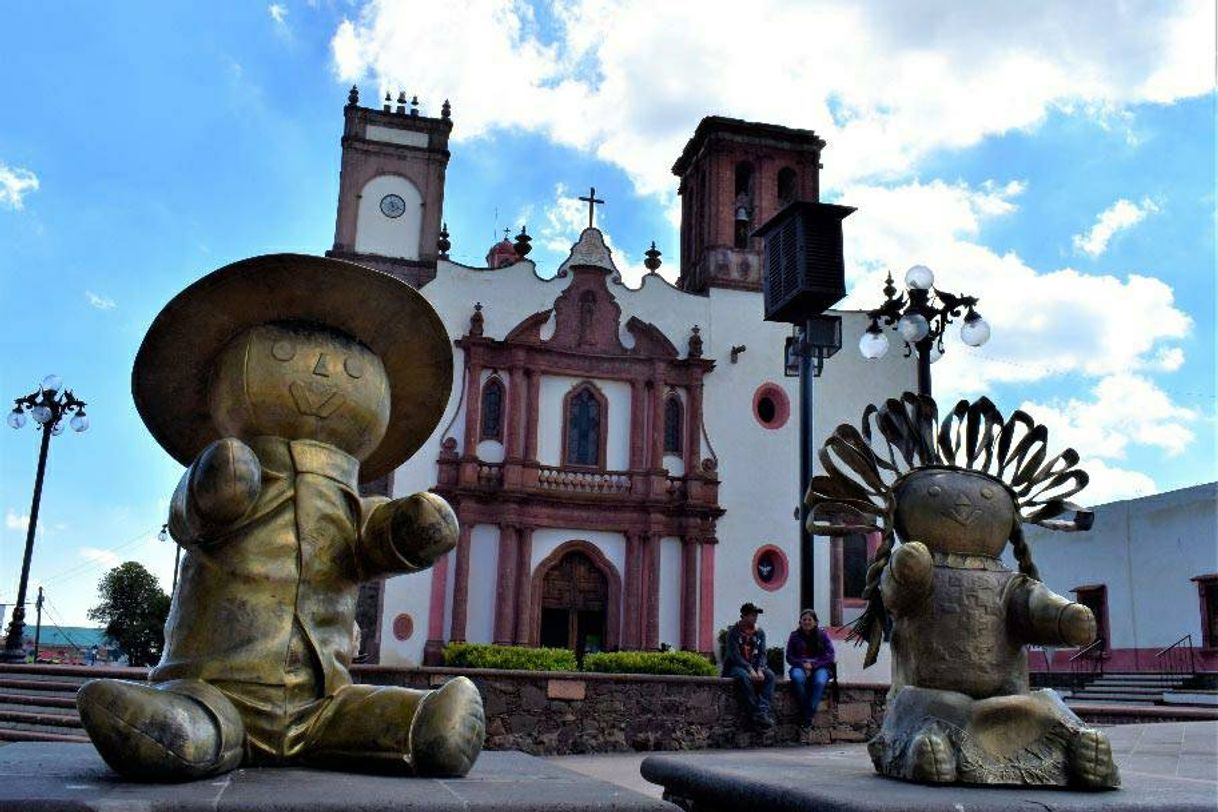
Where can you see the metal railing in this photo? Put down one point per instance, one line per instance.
(1087, 664)
(1177, 660)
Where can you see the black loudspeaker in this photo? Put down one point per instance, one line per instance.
(805, 274)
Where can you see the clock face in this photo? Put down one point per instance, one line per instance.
(392, 206)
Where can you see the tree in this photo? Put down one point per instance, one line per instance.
(133, 607)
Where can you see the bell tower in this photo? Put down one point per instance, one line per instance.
(735, 175)
(391, 187)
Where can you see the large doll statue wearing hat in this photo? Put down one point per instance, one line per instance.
(283, 381)
(954, 494)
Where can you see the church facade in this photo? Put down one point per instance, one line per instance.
(623, 461)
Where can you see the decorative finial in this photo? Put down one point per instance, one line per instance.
(401, 111)
(447, 110)
(353, 96)
(388, 106)
(652, 263)
(443, 244)
(475, 321)
(890, 289)
(695, 343)
(414, 105)
(522, 243)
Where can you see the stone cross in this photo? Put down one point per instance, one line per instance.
(591, 200)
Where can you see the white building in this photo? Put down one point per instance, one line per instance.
(623, 462)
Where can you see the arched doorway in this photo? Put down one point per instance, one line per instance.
(575, 605)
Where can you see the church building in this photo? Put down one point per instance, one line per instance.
(623, 461)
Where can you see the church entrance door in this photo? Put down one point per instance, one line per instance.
(574, 605)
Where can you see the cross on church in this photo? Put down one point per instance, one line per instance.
(591, 200)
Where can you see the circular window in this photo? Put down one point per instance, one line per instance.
(771, 406)
(393, 206)
(403, 626)
(770, 568)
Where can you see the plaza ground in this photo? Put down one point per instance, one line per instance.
(1187, 750)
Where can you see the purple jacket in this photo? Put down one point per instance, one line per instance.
(797, 650)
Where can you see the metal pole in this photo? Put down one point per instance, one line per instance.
(14, 650)
(177, 558)
(923, 348)
(807, 563)
(38, 623)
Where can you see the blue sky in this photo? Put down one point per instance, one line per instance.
(1059, 164)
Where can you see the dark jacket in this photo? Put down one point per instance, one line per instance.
(798, 650)
(733, 657)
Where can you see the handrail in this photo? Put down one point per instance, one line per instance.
(1098, 642)
(1087, 663)
(1177, 660)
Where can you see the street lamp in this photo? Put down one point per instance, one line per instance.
(48, 405)
(163, 536)
(920, 316)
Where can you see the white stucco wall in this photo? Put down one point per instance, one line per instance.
(670, 591)
(554, 389)
(409, 594)
(1145, 551)
(375, 233)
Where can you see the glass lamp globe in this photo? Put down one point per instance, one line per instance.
(873, 345)
(913, 327)
(975, 331)
(935, 353)
(919, 277)
(16, 418)
(41, 414)
(163, 535)
(52, 384)
(57, 429)
(80, 422)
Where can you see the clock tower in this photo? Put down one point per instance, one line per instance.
(391, 187)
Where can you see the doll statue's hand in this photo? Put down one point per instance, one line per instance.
(423, 528)
(220, 486)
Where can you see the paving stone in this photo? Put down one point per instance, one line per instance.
(53, 777)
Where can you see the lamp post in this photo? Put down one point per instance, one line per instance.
(163, 536)
(48, 405)
(920, 315)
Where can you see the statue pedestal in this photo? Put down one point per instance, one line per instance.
(801, 779)
(51, 777)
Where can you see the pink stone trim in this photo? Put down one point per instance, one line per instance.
(784, 568)
(435, 610)
(706, 599)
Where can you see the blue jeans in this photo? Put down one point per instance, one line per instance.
(808, 689)
(754, 697)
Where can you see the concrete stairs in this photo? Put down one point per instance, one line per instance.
(1128, 688)
(38, 702)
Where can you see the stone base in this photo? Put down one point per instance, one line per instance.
(780, 781)
(52, 777)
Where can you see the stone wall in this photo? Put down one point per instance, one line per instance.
(559, 713)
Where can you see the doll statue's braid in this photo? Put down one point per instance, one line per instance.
(1023, 553)
(869, 626)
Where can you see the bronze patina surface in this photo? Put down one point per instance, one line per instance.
(954, 494)
(276, 536)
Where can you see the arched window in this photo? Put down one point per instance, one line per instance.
(492, 410)
(788, 186)
(743, 205)
(584, 436)
(672, 424)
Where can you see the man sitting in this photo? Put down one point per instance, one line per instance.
(744, 660)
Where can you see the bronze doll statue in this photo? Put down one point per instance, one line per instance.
(954, 495)
(282, 382)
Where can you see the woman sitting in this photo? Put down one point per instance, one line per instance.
(809, 653)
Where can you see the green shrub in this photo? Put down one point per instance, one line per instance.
(680, 663)
(520, 658)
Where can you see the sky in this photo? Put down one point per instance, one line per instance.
(1056, 160)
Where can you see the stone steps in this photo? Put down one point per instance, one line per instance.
(14, 735)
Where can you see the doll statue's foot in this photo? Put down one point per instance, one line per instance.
(1091, 763)
(931, 758)
(172, 732)
(448, 729)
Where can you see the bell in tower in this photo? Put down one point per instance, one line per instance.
(736, 175)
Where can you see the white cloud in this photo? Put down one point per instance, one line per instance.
(1120, 216)
(99, 301)
(15, 184)
(1110, 484)
(15, 521)
(567, 217)
(886, 83)
(105, 557)
(278, 13)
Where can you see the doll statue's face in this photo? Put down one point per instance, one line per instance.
(301, 382)
(953, 511)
